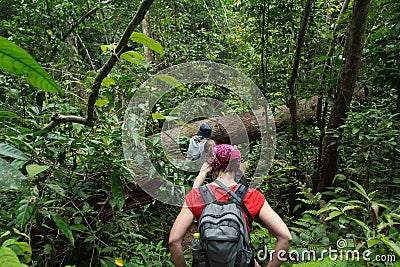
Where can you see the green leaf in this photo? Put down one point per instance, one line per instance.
(35, 169)
(157, 116)
(171, 81)
(339, 177)
(147, 41)
(20, 248)
(351, 207)
(333, 214)
(107, 47)
(8, 115)
(392, 245)
(359, 189)
(108, 82)
(9, 259)
(17, 61)
(118, 191)
(101, 102)
(24, 212)
(327, 209)
(10, 177)
(56, 188)
(64, 227)
(363, 226)
(321, 58)
(135, 57)
(11, 152)
(373, 241)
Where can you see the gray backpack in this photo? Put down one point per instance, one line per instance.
(223, 229)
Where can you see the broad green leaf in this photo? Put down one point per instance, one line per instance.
(333, 214)
(157, 116)
(8, 115)
(147, 41)
(327, 209)
(359, 189)
(373, 241)
(9, 259)
(339, 177)
(56, 188)
(64, 227)
(11, 152)
(101, 102)
(35, 169)
(24, 249)
(17, 61)
(24, 212)
(363, 226)
(107, 82)
(392, 245)
(321, 58)
(118, 191)
(350, 207)
(10, 177)
(171, 81)
(135, 57)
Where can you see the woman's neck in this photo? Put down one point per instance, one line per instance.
(227, 178)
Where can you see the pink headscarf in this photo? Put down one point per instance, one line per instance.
(225, 157)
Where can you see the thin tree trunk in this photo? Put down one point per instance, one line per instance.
(345, 92)
(148, 57)
(322, 110)
(398, 98)
(263, 55)
(293, 102)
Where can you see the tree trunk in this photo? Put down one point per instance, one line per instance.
(323, 105)
(147, 31)
(345, 92)
(293, 103)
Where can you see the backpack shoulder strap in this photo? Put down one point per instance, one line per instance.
(206, 193)
(242, 190)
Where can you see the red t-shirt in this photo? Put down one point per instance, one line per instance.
(253, 200)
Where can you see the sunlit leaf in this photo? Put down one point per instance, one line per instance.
(17, 61)
(107, 47)
(171, 81)
(157, 116)
(35, 169)
(101, 102)
(147, 41)
(135, 57)
(108, 82)
(9, 258)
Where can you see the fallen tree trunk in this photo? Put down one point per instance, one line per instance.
(307, 112)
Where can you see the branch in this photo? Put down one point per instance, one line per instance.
(83, 18)
(122, 47)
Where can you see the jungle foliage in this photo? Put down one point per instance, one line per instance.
(65, 191)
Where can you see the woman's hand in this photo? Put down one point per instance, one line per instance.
(206, 167)
(204, 170)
